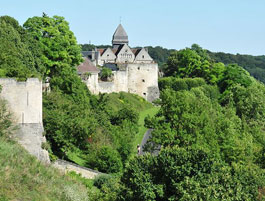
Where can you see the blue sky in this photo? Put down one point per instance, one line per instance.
(234, 26)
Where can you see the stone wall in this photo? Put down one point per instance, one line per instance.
(66, 166)
(92, 83)
(137, 78)
(120, 80)
(30, 136)
(143, 80)
(24, 100)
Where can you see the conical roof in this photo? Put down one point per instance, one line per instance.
(120, 36)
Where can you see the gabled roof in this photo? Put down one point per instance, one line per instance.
(136, 51)
(101, 50)
(87, 66)
(119, 49)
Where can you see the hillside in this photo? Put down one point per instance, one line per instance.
(22, 177)
(255, 65)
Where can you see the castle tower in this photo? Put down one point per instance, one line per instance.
(120, 37)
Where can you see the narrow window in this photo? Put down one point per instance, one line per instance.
(22, 118)
(143, 56)
(143, 80)
(138, 68)
(27, 98)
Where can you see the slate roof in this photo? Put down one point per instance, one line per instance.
(85, 53)
(120, 36)
(87, 66)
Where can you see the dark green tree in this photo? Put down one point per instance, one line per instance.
(189, 174)
(16, 58)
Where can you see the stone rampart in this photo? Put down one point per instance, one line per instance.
(66, 166)
(24, 99)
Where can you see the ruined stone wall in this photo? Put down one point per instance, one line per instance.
(24, 99)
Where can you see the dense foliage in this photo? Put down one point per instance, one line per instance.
(189, 174)
(255, 65)
(211, 135)
(16, 56)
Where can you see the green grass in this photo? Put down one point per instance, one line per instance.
(77, 157)
(138, 138)
(117, 100)
(22, 177)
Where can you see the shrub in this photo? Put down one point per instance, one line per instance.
(107, 160)
(105, 73)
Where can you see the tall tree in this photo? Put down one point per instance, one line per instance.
(60, 51)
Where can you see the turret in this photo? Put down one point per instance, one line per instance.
(120, 37)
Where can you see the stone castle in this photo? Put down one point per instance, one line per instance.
(133, 70)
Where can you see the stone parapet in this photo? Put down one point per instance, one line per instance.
(67, 166)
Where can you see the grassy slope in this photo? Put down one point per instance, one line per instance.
(138, 138)
(22, 177)
(116, 100)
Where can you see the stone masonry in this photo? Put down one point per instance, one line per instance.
(24, 99)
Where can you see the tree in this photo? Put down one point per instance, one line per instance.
(60, 53)
(189, 174)
(233, 75)
(16, 59)
(187, 63)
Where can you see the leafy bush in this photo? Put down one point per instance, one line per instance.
(180, 84)
(6, 121)
(107, 160)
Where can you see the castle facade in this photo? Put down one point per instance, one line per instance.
(133, 70)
